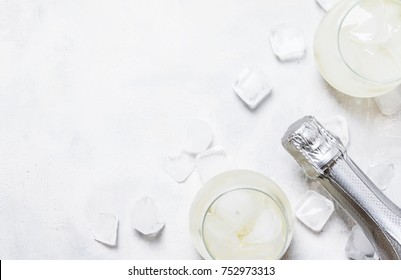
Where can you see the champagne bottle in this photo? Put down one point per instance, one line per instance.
(323, 157)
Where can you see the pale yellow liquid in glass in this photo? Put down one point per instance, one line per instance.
(244, 224)
(358, 47)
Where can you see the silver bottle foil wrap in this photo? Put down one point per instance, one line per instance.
(324, 158)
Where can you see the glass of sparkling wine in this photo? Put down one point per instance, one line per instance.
(241, 214)
(358, 47)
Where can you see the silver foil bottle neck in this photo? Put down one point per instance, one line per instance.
(312, 146)
(323, 157)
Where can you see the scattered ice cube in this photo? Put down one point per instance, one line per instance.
(252, 86)
(339, 127)
(199, 137)
(180, 167)
(326, 5)
(314, 210)
(104, 229)
(212, 162)
(146, 218)
(358, 246)
(287, 41)
(390, 103)
(381, 174)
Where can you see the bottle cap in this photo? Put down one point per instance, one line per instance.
(312, 146)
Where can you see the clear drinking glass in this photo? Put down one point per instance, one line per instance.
(241, 214)
(357, 47)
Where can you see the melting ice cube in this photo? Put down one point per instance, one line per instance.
(199, 137)
(314, 210)
(104, 229)
(390, 103)
(339, 127)
(326, 5)
(221, 240)
(381, 174)
(252, 86)
(358, 246)
(238, 209)
(180, 167)
(266, 228)
(212, 162)
(244, 224)
(146, 218)
(287, 41)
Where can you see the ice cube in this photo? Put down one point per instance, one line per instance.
(381, 174)
(104, 229)
(374, 31)
(220, 239)
(390, 103)
(238, 209)
(244, 224)
(338, 126)
(287, 41)
(260, 251)
(199, 137)
(252, 86)
(213, 162)
(358, 246)
(146, 218)
(326, 5)
(314, 210)
(180, 167)
(267, 226)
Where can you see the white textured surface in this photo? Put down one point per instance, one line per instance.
(93, 94)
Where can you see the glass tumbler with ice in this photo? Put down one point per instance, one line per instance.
(241, 214)
(357, 47)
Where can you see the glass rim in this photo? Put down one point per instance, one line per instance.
(344, 16)
(275, 200)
